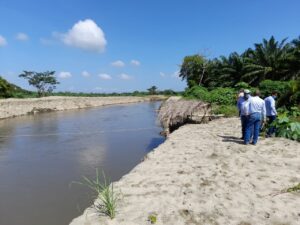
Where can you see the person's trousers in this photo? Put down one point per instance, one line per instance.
(271, 129)
(254, 124)
(243, 123)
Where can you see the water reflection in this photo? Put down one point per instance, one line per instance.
(41, 155)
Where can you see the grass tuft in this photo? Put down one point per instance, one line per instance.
(105, 192)
(295, 188)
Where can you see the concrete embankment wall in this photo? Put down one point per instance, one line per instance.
(19, 107)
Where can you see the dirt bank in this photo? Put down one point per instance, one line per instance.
(19, 107)
(203, 174)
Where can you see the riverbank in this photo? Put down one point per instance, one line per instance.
(203, 174)
(18, 107)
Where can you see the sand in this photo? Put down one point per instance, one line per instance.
(19, 107)
(203, 174)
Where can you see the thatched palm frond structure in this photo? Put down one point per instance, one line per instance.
(175, 112)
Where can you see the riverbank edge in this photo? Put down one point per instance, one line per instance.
(10, 108)
(198, 151)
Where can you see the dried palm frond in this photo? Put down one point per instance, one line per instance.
(176, 111)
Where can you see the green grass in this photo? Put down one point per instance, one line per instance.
(226, 110)
(295, 188)
(106, 194)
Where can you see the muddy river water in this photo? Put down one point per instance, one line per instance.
(41, 155)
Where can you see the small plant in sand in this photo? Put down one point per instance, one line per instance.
(152, 218)
(295, 188)
(292, 189)
(107, 197)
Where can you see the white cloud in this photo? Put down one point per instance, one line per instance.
(64, 75)
(3, 41)
(85, 74)
(105, 76)
(85, 34)
(124, 76)
(118, 63)
(135, 62)
(162, 74)
(22, 37)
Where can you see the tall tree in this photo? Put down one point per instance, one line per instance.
(267, 61)
(232, 69)
(152, 90)
(194, 69)
(44, 82)
(295, 59)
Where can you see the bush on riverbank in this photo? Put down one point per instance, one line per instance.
(220, 96)
(224, 99)
(287, 123)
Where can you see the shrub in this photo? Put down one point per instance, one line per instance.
(287, 126)
(197, 92)
(241, 85)
(268, 86)
(221, 96)
(5, 89)
(291, 96)
(226, 110)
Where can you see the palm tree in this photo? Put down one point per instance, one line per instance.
(232, 69)
(295, 60)
(269, 60)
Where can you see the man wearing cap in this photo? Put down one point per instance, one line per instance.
(271, 112)
(257, 114)
(244, 111)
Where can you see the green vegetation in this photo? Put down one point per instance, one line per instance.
(269, 66)
(44, 82)
(152, 218)
(221, 96)
(8, 90)
(226, 110)
(288, 123)
(152, 90)
(295, 188)
(269, 60)
(105, 192)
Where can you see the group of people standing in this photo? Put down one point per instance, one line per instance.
(253, 112)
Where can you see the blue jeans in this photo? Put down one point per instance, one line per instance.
(271, 129)
(254, 124)
(243, 122)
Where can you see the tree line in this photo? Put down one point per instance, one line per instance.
(268, 60)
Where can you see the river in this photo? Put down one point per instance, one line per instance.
(41, 155)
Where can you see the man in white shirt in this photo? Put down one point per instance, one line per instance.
(271, 112)
(243, 106)
(257, 114)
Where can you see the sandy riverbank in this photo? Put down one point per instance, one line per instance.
(19, 107)
(202, 174)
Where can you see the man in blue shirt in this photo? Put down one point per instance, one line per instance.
(257, 115)
(271, 112)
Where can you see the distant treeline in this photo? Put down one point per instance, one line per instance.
(8, 90)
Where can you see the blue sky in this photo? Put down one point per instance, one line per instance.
(116, 46)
